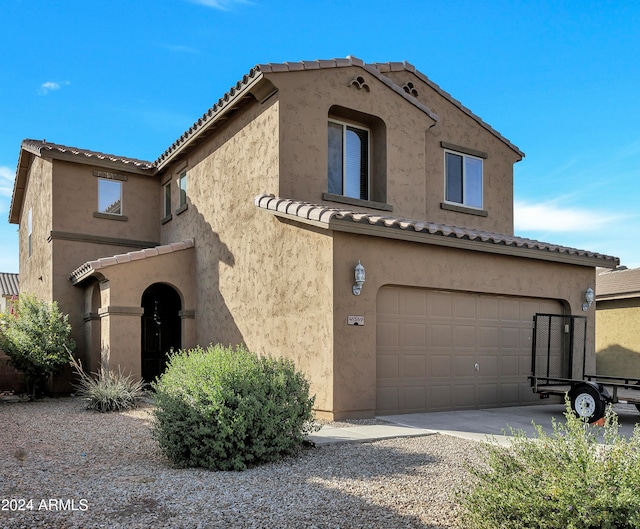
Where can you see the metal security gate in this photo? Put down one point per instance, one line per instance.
(558, 348)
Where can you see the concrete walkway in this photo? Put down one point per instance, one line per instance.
(477, 425)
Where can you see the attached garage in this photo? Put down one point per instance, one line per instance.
(447, 350)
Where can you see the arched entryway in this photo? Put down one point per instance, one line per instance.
(160, 328)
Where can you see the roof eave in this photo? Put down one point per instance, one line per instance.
(17, 196)
(228, 103)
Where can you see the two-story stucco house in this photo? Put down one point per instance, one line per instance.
(250, 226)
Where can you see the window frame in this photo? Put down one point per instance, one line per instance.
(30, 232)
(357, 127)
(166, 200)
(465, 199)
(119, 183)
(182, 193)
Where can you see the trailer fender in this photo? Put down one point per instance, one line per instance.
(588, 400)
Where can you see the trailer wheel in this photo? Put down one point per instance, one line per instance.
(586, 403)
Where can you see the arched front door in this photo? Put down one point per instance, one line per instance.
(160, 328)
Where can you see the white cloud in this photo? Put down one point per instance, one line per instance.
(49, 86)
(222, 5)
(6, 181)
(549, 217)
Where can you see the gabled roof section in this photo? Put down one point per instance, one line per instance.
(43, 149)
(9, 284)
(406, 66)
(618, 284)
(427, 232)
(249, 82)
(89, 268)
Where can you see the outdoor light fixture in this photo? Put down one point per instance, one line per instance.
(589, 296)
(359, 272)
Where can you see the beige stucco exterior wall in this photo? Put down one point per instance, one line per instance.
(390, 262)
(261, 282)
(36, 273)
(618, 338)
(120, 312)
(414, 156)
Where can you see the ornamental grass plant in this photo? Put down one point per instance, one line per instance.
(578, 477)
(227, 408)
(107, 390)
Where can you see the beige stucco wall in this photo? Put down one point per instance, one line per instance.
(36, 275)
(121, 290)
(414, 156)
(75, 200)
(618, 338)
(261, 282)
(389, 262)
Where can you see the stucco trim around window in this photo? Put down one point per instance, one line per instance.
(182, 209)
(110, 216)
(166, 219)
(462, 209)
(110, 176)
(464, 150)
(371, 204)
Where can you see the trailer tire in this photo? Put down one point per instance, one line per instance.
(587, 403)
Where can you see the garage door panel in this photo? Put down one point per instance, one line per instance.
(430, 341)
(414, 366)
(439, 366)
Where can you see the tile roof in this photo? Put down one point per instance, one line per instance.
(44, 148)
(87, 269)
(619, 283)
(240, 89)
(9, 284)
(333, 218)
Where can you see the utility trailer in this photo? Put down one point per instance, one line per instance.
(558, 367)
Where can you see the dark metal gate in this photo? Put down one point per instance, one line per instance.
(559, 347)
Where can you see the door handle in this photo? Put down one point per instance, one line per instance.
(477, 367)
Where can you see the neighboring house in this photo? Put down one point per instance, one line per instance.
(10, 378)
(618, 322)
(9, 289)
(248, 229)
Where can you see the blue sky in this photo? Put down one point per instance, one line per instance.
(560, 79)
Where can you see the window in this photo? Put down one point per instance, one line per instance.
(166, 211)
(463, 179)
(109, 196)
(348, 160)
(182, 186)
(29, 231)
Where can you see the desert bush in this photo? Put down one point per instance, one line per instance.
(107, 390)
(566, 480)
(36, 339)
(227, 408)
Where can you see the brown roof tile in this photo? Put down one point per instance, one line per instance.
(42, 148)
(619, 283)
(332, 216)
(85, 270)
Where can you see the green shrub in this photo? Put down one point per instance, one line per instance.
(227, 409)
(36, 339)
(107, 390)
(564, 480)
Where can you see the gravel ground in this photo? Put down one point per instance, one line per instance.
(83, 469)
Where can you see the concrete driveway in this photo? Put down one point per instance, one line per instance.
(478, 424)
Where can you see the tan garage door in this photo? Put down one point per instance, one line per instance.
(440, 350)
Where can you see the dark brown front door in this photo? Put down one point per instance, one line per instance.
(160, 328)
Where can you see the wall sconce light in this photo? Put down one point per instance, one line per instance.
(359, 273)
(589, 296)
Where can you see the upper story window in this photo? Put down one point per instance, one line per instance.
(348, 160)
(29, 232)
(182, 187)
(166, 195)
(109, 197)
(463, 179)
